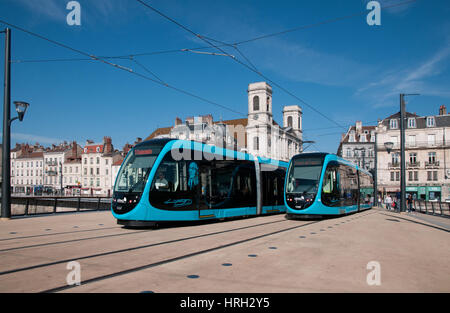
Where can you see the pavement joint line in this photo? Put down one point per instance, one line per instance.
(175, 259)
(67, 241)
(63, 233)
(132, 248)
(416, 222)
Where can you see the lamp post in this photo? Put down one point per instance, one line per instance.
(21, 108)
(402, 151)
(388, 145)
(362, 153)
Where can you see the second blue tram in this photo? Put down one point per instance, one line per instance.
(322, 184)
(176, 180)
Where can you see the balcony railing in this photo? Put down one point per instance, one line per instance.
(416, 145)
(413, 164)
(396, 164)
(432, 164)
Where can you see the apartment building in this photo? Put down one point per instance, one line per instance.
(358, 146)
(427, 142)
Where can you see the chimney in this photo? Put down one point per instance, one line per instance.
(108, 147)
(74, 149)
(442, 110)
(178, 121)
(126, 149)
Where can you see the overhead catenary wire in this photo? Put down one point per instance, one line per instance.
(118, 66)
(235, 44)
(245, 65)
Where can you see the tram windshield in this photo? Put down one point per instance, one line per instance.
(304, 174)
(135, 169)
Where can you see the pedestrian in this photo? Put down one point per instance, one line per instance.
(409, 203)
(388, 202)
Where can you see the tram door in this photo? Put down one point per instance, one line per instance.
(215, 187)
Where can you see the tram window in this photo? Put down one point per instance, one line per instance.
(227, 184)
(331, 194)
(174, 184)
(349, 185)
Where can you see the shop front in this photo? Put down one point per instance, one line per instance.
(412, 190)
(434, 193)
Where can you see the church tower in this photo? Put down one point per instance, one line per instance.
(260, 103)
(292, 118)
(260, 119)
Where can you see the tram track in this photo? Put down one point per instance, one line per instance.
(174, 259)
(50, 276)
(125, 249)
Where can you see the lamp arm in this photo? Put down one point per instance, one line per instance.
(13, 119)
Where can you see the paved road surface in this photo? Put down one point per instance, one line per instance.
(261, 254)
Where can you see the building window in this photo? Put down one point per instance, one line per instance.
(349, 153)
(98, 160)
(393, 124)
(395, 158)
(411, 123)
(255, 143)
(413, 158)
(430, 121)
(431, 157)
(413, 175)
(432, 175)
(98, 171)
(431, 140)
(289, 121)
(395, 176)
(411, 141)
(255, 103)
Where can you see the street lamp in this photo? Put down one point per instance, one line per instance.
(389, 145)
(21, 108)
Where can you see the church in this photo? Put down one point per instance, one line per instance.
(258, 134)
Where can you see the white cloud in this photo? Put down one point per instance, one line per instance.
(53, 9)
(32, 138)
(384, 91)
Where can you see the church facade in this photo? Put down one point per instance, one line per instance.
(258, 134)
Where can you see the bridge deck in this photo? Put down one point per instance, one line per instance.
(261, 254)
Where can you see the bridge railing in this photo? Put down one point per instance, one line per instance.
(25, 206)
(432, 207)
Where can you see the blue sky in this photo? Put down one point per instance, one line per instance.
(346, 69)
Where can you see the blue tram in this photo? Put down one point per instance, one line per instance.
(177, 180)
(322, 184)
